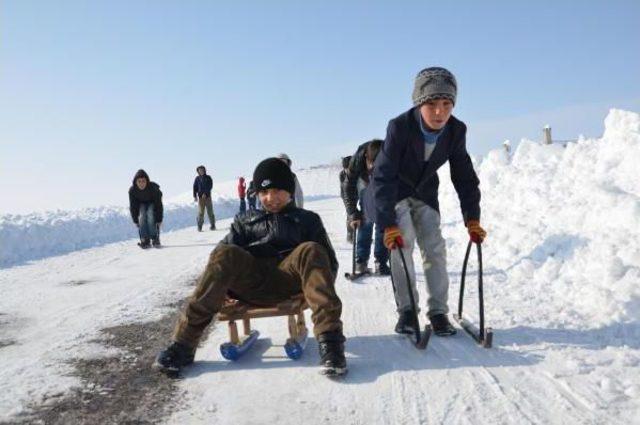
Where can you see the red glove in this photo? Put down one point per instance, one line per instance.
(393, 237)
(476, 233)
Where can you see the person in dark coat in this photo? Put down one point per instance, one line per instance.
(418, 143)
(202, 186)
(145, 205)
(267, 257)
(343, 189)
(357, 180)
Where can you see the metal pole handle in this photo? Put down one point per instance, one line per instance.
(414, 308)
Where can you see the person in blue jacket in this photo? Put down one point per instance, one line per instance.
(202, 186)
(418, 142)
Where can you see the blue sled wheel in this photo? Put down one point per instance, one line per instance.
(295, 347)
(294, 350)
(231, 351)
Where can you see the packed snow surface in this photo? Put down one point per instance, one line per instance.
(562, 293)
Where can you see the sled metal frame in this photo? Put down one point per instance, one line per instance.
(420, 338)
(482, 335)
(351, 275)
(235, 310)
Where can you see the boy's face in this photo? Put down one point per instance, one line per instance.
(141, 182)
(274, 200)
(201, 171)
(436, 113)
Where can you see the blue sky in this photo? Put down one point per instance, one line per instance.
(92, 91)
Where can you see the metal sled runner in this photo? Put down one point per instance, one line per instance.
(234, 310)
(483, 336)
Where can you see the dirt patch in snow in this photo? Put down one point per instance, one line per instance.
(121, 389)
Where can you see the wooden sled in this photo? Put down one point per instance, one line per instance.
(235, 310)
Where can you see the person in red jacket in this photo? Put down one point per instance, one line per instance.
(242, 193)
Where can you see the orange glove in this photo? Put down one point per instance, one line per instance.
(476, 233)
(393, 237)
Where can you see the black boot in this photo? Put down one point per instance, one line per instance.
(331, 347)
(406, 322)
(174, 357)
(144, 243)
(213, 226)
(199, 227)
(441, 325)
(382, 269)
(155, 242)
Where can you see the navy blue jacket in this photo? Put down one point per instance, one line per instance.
(202, 185)
(401, 172)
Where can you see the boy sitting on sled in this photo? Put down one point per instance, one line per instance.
(268, 256)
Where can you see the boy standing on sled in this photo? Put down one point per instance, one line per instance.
(419, 142)
(268, 257)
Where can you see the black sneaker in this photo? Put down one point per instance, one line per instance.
(406, 323)
(144, 243)
(382, 269)
(441, 325)
(331, 347)
(174, 357)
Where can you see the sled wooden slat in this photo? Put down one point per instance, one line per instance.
(233, 332)
(237, 310)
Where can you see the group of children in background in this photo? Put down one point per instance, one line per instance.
(145, 201)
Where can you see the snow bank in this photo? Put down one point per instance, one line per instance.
(566, 221)
(38, 235)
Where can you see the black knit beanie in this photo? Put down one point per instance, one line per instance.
(273, 173)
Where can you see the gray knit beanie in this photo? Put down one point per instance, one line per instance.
(434, 83)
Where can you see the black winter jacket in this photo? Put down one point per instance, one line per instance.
(343, 186)
(265, 234)
(357, 170)
(150, 194)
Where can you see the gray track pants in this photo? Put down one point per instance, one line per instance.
(418, 221)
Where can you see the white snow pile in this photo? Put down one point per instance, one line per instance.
(38, 235)
(566, 221)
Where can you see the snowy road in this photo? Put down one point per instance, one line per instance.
(534, 374)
